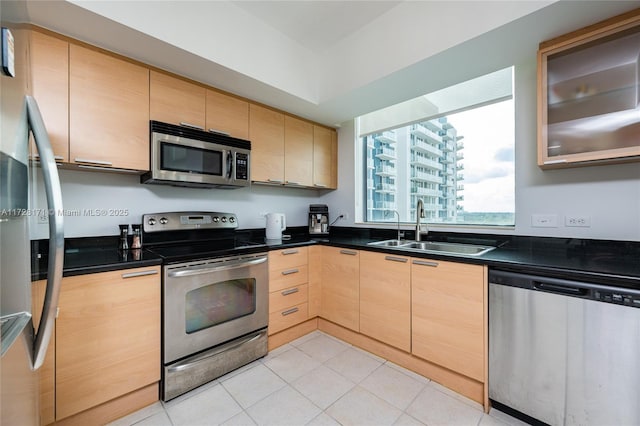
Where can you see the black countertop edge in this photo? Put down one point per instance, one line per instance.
(613, 262)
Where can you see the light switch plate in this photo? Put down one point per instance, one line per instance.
(544, 220)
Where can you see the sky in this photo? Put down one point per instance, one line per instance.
(489, 174)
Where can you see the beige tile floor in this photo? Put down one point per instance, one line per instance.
(318, 380)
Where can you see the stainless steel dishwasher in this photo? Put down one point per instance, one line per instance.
(564, 352)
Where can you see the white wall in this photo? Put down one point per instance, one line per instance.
(86, 192)
(609, 194)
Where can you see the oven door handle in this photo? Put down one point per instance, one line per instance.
(187, 363)
(207, 269)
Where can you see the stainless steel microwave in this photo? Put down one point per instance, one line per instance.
(186, 156)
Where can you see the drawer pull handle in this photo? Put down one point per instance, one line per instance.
(349, 252)
(290, 291)
(290, 271)
(289, 311)
(87, 160)
(55, 157)
(220, 132)
(425, 263)
(288, 252)
(191, 126)
(139, 274)
(396, 259)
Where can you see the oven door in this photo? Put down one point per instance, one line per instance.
(207, 303)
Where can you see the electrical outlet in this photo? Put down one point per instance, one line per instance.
(577, 221)
(345, 216)
(544, 220)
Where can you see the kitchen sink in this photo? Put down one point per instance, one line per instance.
(442, 247)
(436, 247)
(390, 243)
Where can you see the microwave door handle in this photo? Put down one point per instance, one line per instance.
(229, 164)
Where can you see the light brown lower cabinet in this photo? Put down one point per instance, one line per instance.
(315, 280)
(341, 287)
(107, 341)
(288, 288)
(385, 298)
(448, 315)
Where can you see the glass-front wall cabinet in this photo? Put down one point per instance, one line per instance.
(589, 95)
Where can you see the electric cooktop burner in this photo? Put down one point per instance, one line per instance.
(177, 236)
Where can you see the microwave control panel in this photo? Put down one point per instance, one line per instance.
(242, 166)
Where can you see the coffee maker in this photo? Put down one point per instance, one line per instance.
(318, 219)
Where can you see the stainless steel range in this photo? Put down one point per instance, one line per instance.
(214, 295)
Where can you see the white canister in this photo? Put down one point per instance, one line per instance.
(276, 223)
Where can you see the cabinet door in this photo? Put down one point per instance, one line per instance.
(588, 95)
(315, 280)
(108, 110)
(227, 114)
(385, 298)
(341, 286)
(325, 155)
(176, 101)
(107, 337)
(298, 152)
(50, 87)
(448, 315)
(266, 132)
(46, 373)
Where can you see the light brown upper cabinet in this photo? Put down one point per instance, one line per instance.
(227, 114)
(448, 315)
(298, 152)
(108, 111)
(266, 132)
(50, 88)
(325, 158)
(589, 95)
(176, 101)
(385, 298)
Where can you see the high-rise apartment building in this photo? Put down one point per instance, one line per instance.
(418, 161)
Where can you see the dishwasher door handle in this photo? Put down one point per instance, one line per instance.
(560, 289)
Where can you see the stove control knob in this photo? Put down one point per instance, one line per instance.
(224, 219)
(152, 221)
(216, 219)
(163, 220)
(232, 219)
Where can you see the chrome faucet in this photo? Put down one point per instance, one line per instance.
(398, 216)
(419, 214)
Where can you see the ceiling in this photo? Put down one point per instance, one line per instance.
(328, 61)
(317, 25)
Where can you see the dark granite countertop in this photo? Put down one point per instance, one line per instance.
(89, 255)
(603, 261)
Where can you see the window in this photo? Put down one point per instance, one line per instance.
(453, 149)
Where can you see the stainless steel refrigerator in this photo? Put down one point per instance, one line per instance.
(22, 349)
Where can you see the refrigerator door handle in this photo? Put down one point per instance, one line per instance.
(56, 232)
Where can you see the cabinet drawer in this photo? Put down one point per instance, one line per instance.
(288, 277)
(286, 318)
(287, 258)
(283, 299)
